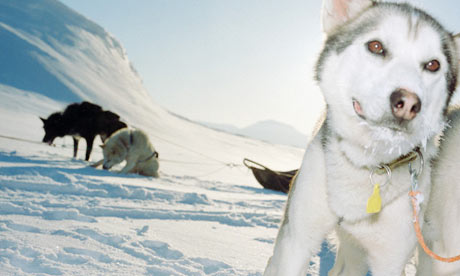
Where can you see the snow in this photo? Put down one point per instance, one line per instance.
(205, 215)
(60, 217)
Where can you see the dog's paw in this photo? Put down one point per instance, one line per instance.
(97, 164)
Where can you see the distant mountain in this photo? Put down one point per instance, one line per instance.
(270, 131)
(222, 127)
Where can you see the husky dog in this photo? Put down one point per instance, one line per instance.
(134, 147)
(81, 120)
(442, 214)
(387, 73)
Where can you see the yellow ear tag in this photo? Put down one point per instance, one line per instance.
(374, 203)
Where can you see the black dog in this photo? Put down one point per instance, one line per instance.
(81, 120)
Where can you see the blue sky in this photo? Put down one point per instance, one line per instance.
(229, 61)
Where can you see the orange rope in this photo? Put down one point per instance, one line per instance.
(418, 232)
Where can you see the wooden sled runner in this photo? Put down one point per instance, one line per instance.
(269, 179)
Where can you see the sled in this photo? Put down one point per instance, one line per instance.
(270, 179)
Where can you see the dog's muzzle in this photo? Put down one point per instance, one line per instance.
(405, 105)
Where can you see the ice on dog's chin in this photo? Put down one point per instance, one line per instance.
(390, 142)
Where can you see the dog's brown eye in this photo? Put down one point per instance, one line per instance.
(376, 47)
(432, 66)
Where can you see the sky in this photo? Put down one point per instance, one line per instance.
(229, 61)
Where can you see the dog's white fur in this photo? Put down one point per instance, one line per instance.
(133, 146)
(333, 186)
(443, 211)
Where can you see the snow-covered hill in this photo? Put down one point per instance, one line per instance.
(270, 131)
(78, 55)
(205, 215)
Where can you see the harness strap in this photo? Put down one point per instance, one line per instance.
(127, 145)
(131, 142)
(154, 154)
(418, 232)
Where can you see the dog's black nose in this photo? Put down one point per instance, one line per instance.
(405, 104)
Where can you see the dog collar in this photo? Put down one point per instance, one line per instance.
(411, 156)
(131, 140)
(374, 203)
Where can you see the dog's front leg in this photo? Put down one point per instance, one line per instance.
(424, 263)
(392, 241)
(351, 258)
(98, 163)
(307, 218)
(89, 146)
(75, 146)
(130, 164)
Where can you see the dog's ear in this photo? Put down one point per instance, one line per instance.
(337, 12)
